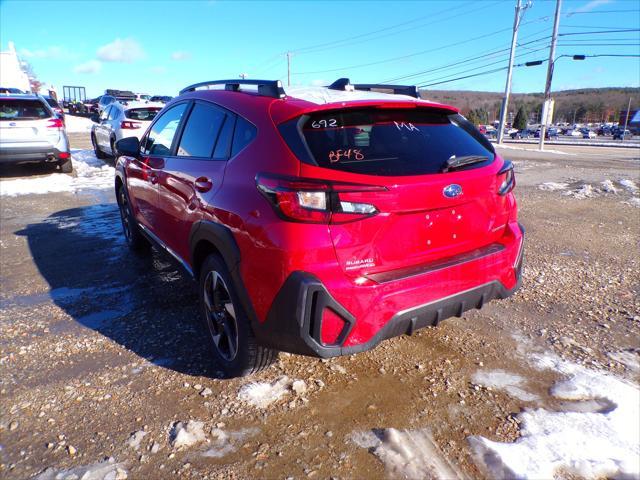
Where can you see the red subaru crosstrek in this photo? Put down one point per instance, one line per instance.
(322, 220)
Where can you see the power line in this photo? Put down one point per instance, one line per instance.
(465, 77)
(599, 44)
(620, 30)
(373, 32)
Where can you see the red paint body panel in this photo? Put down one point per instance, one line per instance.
(415, 224)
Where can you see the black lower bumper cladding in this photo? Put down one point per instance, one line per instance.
(293, 322)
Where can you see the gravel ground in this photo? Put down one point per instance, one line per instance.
(103, 359)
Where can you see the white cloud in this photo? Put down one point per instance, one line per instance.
(589, 6)
(124, 51)
(53, 52)
(180, 55)
(92, 66)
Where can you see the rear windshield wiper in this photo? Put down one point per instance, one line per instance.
(456, 162)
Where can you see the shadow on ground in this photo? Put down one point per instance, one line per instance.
(144, 303)
(21, 170)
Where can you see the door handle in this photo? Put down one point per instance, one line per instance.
(203, 184)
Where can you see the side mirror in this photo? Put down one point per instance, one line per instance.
(129, 146)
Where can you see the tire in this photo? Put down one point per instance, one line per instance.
(226, 323)
(66, 165)
(136, 241)
(96, 149)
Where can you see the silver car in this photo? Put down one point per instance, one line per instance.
(30, 131)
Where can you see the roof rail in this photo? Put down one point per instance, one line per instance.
(266, 88)
(345, 84)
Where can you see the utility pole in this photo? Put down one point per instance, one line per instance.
(626, 120)
(288, 69)
(547, 87)
(507, 87)
(243, 76)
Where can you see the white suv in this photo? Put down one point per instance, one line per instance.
(119, 121)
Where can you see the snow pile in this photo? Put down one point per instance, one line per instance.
(224, 443)
(407, 453)
(608, 187)
(75, 124)
(509, 382)
(633, 201)
(582, 192)
(187, 434)
(105, 470)
(263, 394)
(629, 185)
(551, 186)
(512, 147)
(89, 173)
(602, 440)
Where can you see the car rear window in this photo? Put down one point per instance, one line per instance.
(142, 114)
(52, 102)
(14, 109)
(389, 142)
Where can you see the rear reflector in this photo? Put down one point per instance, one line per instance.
(332, 327)
(64, 155)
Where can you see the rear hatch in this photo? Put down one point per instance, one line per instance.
(437, 176)
(27, 121)
(137, 119)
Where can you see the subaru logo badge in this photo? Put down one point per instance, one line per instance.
(452, 191)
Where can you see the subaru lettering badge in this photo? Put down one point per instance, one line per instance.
(452, 191)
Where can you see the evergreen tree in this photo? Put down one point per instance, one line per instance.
(520, 122)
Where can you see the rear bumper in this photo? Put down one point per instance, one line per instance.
(294, 321)
(45, 153)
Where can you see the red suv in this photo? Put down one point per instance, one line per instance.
(321, 221)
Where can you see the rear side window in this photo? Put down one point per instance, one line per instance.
(161, 135)
(245, 132)
(14, 109)
(201, 131)
(142, 114)
(391, 142)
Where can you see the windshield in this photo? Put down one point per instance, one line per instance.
(391, 142)
(14, 109)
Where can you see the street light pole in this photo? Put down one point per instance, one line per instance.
(507, 87)
(288, 69)
(547, 88)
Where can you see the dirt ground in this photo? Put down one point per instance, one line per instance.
(98, 343)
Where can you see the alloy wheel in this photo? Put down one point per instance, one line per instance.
(220, 316)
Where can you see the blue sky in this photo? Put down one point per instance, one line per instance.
(160, 47)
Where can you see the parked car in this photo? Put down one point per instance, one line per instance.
(119, 121)
(621, 134)
(589, 134)
(142, 97)
(160, 98)
(573, 133)
(30, 131)
(548, 134)
(55, 106)
(111, 96)
(522, 134)
(306, 239)
(11, 90)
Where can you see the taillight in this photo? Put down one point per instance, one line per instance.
(509, 180)
(130, 125)
(55, 123)
(314, 201)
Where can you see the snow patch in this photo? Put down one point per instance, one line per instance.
(511, 147)
(407, 453)
(629, 358)
(75, 124)
(589, 442)
(509, 382)
(187, 434)
(89, 173)
(263, 394)
(629, 185)
(633, 201)
(582, 192)
(224, 443)
(552, 186)
(135, 439)
(608, 187)
(105, 470)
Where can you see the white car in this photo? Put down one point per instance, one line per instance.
(143, 97)
(574, 133)
(589, 134)
(119, 121)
